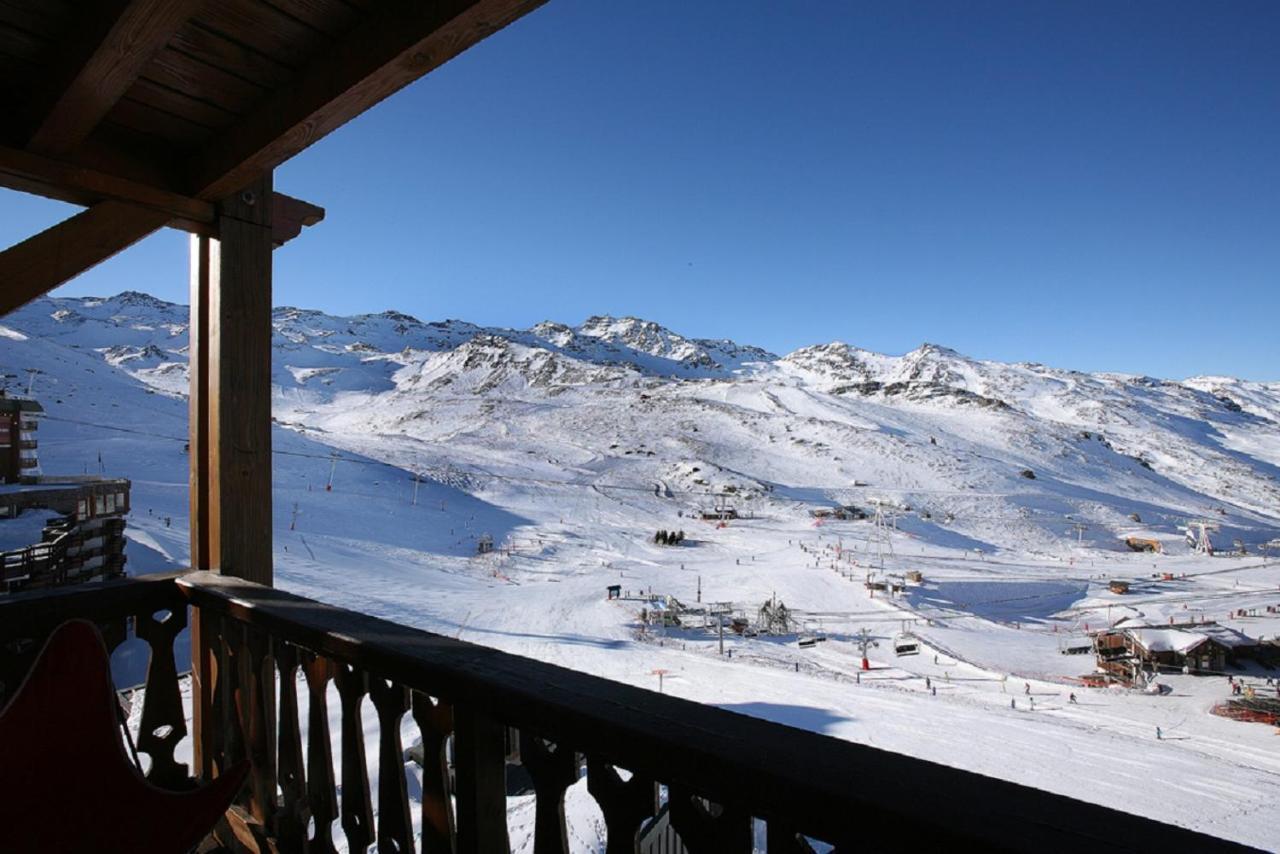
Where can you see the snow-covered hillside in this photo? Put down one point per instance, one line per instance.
(1011, 488)
(625, 402)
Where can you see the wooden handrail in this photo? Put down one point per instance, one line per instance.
(37, 610)
(494, 707)
(823, 787)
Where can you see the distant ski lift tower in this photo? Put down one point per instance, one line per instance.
(864, 641)
(881, 529)
(1079, 527)
(333, 467)
(1198, 531)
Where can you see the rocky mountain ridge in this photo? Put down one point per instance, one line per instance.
(700, 414)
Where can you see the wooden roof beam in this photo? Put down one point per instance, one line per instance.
(56, 255)
(67, 182)
(397, 45)
(289, 216)
(99, 62)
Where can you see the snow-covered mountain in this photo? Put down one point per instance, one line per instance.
(993, 454)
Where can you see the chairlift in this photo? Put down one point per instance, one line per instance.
(906, 643)
(810, 638)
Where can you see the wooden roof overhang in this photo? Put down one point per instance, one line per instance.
(152, 112)
(156, 113)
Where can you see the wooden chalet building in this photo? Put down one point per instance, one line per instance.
(173, 114)
(843, 512)
(1132, 647)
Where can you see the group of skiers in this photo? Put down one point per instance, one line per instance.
(1238, 687)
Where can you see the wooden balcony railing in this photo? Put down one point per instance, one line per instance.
(731, 782)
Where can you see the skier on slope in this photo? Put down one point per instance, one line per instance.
(1026, 688)
(1071, 698)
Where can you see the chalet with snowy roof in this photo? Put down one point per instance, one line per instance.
(1131, 647)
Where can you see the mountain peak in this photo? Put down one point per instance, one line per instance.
(138, 298)
(931, 349)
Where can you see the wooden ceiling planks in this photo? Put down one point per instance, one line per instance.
(230, 57)
(235, 88)
(197, 111)
(331, 17)
(26, 33)
(388, 51)
(47, 21)
(97, 62)
(22, 44)
(174, 130)
(197, 79)
(130, 154)
(265, 29)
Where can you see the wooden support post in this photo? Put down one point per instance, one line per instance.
(480, 783)
(230, 426)
(230, 408)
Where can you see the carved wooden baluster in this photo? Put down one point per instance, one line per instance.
(395, 825)
(480, 772)
(435, 723)
(230, 650)
(626, 805)
(553, 769)
(163, 723)
(701, 830)
(257, 721)
(322, 798)
(782, 838)
(205, 676)
(357, 808)
(291, 820)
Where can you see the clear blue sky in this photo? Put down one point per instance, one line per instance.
(1087, 184)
